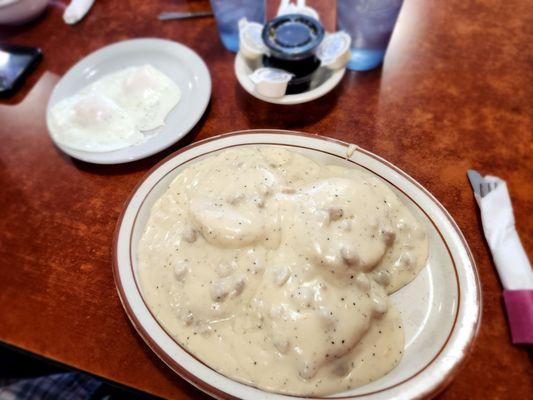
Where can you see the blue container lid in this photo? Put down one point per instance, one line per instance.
(292, 36)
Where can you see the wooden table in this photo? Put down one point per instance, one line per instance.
(455, 92)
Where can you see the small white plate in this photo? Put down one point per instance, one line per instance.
(178, 62)
(440, 309)
(243, 72)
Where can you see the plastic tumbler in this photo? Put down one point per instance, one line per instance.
(229, 12)
(370, 24)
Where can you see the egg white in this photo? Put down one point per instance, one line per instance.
(144, 92)
(91, 122)
(112, 112)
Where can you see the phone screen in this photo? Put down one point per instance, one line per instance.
(15, 63)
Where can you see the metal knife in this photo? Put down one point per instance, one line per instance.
(167, 16)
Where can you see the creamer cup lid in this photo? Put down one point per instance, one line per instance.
(271, 75)
(333, 46)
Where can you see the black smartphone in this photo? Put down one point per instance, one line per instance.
(15, 63)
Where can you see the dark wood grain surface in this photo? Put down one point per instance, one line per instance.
(455, 92)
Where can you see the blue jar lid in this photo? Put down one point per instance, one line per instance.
(292, 36)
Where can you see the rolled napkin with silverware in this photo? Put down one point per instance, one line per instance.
(509, 256)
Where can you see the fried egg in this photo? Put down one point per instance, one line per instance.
(113, 112)
(92, 122)
(144, 92)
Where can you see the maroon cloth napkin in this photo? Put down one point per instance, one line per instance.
(519, 305)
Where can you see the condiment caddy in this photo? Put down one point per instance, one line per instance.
(290, 59)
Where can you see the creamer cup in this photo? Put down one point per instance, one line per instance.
(334, 51)
(271, 82)
(251, 43)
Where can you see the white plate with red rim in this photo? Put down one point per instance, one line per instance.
(178, 62)
(440, 309)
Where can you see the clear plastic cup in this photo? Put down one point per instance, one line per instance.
(370, 24)
(229, 12)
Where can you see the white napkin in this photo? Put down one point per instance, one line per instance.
(76, 10)
(498, 221)
(299, 7)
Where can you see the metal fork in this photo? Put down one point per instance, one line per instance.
(486, 187)
(480, 185)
